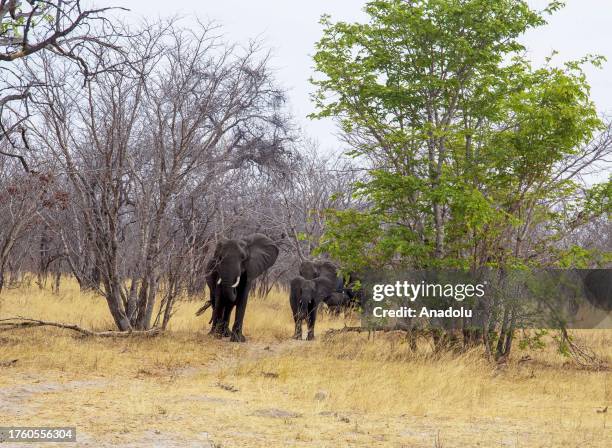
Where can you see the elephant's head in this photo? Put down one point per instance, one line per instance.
(308, 270)
(311, 270)
(238, 261)
(328, 270)
(230, 256)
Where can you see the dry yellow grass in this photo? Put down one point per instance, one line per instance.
(185, 388)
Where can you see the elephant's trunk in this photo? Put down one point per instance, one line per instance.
(228, 292)
(303, 308)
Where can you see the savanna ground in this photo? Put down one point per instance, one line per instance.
(185, 388)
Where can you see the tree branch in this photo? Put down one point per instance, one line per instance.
(15, 323)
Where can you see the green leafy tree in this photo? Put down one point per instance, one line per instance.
(474, 154)
(476, 157)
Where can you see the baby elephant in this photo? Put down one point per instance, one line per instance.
(305, 297)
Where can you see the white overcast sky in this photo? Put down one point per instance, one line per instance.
(290, 28)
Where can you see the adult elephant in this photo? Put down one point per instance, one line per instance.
(231, 272)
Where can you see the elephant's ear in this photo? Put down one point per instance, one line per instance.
(261, 254)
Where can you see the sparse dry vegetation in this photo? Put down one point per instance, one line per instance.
(185, 387)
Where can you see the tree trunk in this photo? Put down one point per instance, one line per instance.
(501, 341)
(43, 262)
(132, 301)
(58, 278)
(152, 296)
(115, 305)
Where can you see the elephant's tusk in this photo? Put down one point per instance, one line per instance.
(219, 281)
(237, 281)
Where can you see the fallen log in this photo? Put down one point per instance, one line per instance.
(16, 323)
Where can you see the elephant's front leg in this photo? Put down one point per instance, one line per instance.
(217, 317)
(241, 303)
(298, 327)
(312, 317)
(227, 312)
(294, 301)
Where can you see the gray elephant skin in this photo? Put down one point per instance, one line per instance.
(318, 282)
(235, 265)
(598, 287)
(343, 295)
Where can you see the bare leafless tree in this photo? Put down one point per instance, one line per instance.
(61, 27)
(139, 145)
(27, 28)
